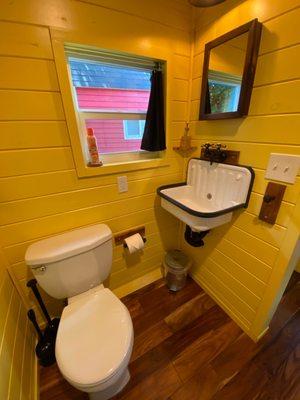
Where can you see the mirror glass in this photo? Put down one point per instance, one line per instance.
(225, 73)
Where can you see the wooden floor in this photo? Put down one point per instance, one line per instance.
(187, 348)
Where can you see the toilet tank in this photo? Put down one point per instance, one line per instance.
(73, 262)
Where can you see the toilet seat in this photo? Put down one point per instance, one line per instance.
(94, 340)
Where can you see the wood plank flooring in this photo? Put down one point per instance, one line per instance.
(187, 348)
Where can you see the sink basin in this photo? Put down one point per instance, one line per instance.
(210, 195)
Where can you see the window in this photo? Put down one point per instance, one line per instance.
(133, 129)
(111, 95)
(83, 68)
(224, 91)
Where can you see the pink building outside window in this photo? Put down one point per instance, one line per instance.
(109, 92)
(110, 133)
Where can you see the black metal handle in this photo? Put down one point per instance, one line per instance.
(32, 284)
(31, 315)
(268, 198)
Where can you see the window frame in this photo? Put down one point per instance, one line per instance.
(141, 129)
(115, 162)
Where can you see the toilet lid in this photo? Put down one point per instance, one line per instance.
(94, 338)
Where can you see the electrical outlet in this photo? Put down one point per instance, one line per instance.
(283, 167)
(122, 184)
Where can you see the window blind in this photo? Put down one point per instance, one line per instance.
(110, 58)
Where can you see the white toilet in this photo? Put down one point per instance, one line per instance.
(95, 334)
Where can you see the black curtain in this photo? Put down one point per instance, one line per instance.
(154, 138)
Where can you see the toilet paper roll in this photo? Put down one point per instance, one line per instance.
(134, 243)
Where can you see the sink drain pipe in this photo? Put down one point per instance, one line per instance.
(194, 238)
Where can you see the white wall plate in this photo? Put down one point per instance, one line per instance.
(122, 184)
(283, 167)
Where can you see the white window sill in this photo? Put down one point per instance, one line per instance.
(113, 165)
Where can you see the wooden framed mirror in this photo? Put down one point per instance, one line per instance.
(228, 72)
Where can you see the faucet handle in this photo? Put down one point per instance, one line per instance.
(220, 146)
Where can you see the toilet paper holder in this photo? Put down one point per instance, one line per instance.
(120, 237)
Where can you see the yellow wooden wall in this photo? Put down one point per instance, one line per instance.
(245, 264)
(17, 358)
(40, 193)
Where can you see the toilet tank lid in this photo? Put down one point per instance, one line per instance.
(67, 244)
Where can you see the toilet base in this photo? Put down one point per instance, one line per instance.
(112, 390)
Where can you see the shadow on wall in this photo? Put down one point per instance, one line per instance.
(226, 128)
(272, 41)
(134, 259)
(168, 226)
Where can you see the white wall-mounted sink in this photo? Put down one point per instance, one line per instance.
(210, 195)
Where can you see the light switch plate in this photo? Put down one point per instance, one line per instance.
(122, 184)
(283, 167)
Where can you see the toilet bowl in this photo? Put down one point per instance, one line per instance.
(95, 335)
(94, 343)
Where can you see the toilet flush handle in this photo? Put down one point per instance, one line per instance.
(41, 268)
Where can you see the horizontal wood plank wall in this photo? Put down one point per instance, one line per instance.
(17, 340)
(238, 264)
(41, 194)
